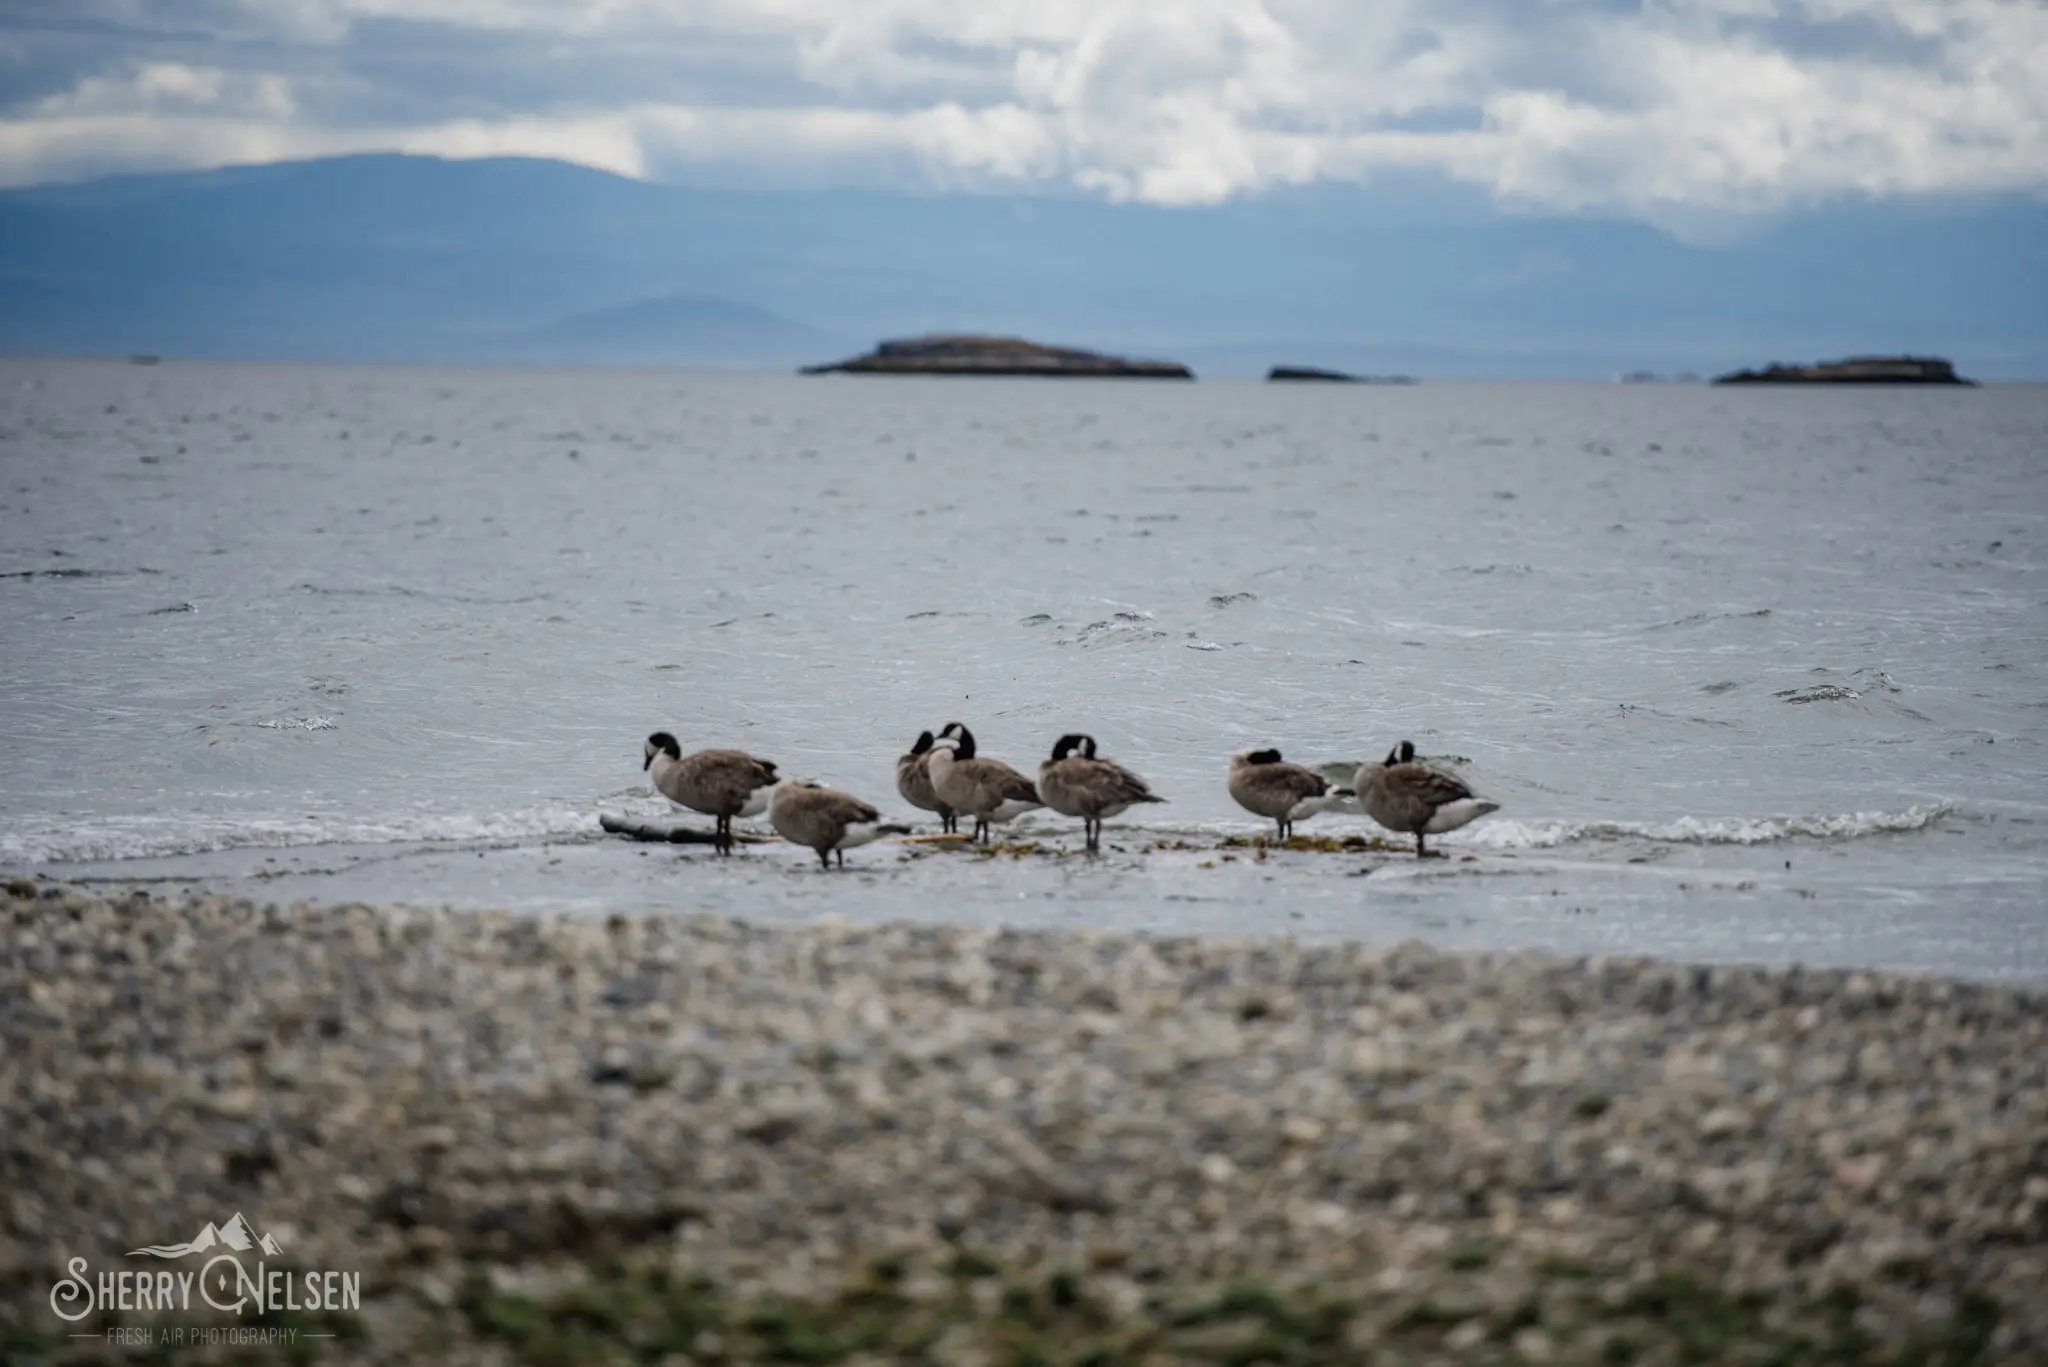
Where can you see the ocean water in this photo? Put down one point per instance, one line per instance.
(1756, 675)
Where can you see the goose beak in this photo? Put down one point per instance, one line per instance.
(648, 762)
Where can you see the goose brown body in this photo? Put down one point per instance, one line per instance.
(914, 781)
(988, 790)
(1403, 795)
(1264, 783)
(828, 821)
(1080, 784)
(719, 783)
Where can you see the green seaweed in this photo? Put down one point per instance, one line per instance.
(1055, 1318)
(1467, 1258)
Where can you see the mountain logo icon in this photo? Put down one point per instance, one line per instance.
(236, 1233)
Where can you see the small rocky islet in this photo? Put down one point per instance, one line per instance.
(688, 1140)
(967, 354)
(1295, 374)
(1855, 370)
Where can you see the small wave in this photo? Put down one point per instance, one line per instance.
(72, 573)
(1818, 693)
(1121, 628)
(297, 724)
(406, 591)
(1694, 619)
(1692, 830)
(164, 837)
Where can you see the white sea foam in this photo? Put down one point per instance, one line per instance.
(162, 837)
(94, 839)
(1496, 833)
(1692, 830)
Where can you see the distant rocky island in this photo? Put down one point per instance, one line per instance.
(1854, 370)
(960, 353)
(1309, 372)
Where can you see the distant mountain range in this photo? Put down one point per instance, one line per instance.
(413, 258)
(676, 329)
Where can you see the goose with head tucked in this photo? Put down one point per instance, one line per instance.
(1074, 782)
(986, 789)
(914, 782)
(1402, 795)
(719, 783)
(828, 821)
(1264, 783)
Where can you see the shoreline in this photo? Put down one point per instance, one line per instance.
(527, 1131)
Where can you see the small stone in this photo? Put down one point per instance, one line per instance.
(236, 1103)
(1722, 1121)
(1299, 1129)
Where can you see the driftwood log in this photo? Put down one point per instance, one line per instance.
(674, 835)
(686, 835)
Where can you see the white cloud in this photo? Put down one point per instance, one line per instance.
(1670, 108)
(171, 86)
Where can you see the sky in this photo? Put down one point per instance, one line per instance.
(1690, 115)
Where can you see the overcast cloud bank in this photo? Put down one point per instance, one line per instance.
(1671, 112)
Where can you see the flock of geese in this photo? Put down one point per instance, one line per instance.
(946, 775)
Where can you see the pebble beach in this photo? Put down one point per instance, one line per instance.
(688, 1140)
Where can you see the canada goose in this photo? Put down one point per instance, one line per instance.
(1402, 795)
(719, 783)
(986, 789)
(914, 782)
(1090, 788)
(1264, 783)
(827, 820)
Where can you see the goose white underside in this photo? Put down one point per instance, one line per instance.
(1312, 806)
(1463, 812)
(860, 833)
(1340, 774)
(757, 803)
(1011, 810)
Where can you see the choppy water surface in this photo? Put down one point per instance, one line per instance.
(1757, 675)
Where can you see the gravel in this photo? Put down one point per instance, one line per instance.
(690, 1140)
